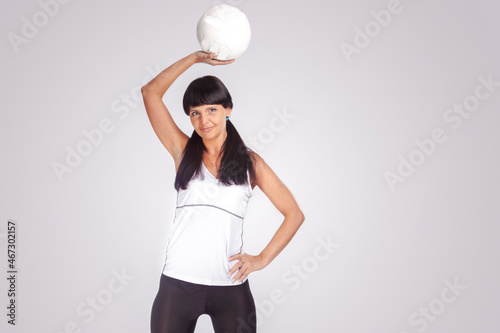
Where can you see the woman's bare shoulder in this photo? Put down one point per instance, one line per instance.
(257, 161)
(272, 186)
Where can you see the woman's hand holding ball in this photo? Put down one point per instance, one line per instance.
(210, 58)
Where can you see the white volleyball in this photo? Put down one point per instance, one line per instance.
(225, 30)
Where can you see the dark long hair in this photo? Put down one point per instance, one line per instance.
(236, 160)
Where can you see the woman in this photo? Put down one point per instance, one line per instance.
(206, 269)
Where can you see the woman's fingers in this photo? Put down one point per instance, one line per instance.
(220, 62)
(240, 269)
(210, 55)
(210, 58)
(242, 274)
(237, 265)
(246, 265)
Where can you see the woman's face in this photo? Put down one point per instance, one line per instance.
(209, 121)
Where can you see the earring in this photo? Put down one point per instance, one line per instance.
(227, 118)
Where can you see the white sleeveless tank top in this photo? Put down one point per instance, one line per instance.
(207, 230)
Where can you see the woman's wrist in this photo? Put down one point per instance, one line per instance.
(194, 58)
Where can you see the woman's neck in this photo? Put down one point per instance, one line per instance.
(214, 146)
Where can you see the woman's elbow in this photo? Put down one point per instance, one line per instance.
(144, 89)
(298, 216)
(302, 217)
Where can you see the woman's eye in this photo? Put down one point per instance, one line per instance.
(213, 110)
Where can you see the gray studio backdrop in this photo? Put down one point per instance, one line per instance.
(380, 116)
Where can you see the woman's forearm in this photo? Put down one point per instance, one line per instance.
(164, 79)
(282, 237)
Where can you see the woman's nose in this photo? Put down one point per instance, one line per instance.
(204, 117)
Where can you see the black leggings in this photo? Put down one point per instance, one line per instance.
(179, 303)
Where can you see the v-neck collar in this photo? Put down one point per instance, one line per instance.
(208, 171)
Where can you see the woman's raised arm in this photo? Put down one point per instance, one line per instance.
(161, 120)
